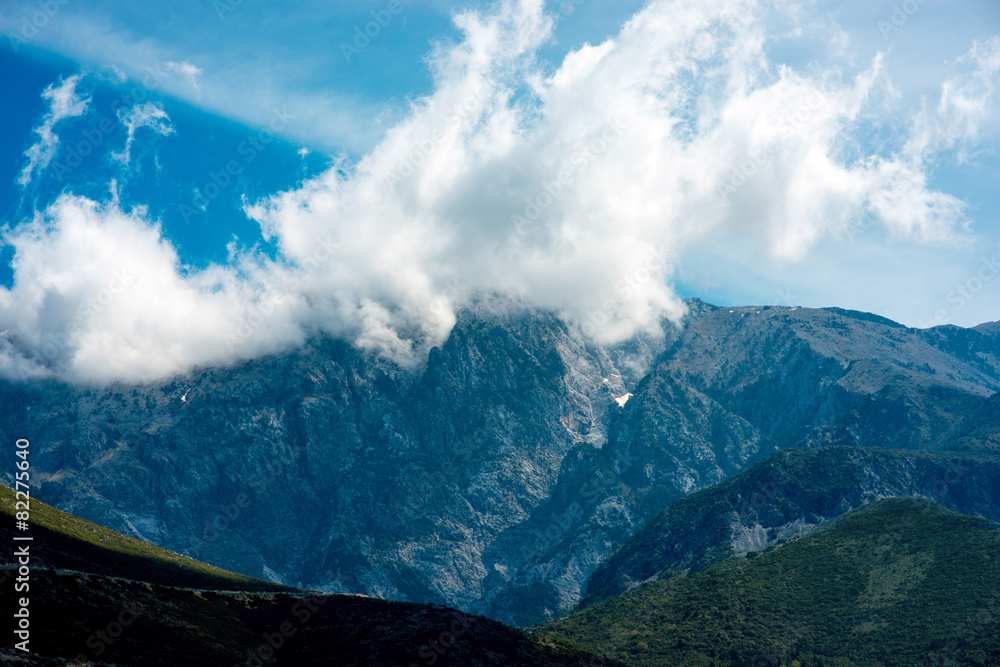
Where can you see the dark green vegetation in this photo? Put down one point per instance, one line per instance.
(97, 597)
(790, 494)
(897, 582)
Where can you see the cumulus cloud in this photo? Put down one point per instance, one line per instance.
(567, 188)
(101, 296)
(64, 102)
(147, 114)
(574, 188)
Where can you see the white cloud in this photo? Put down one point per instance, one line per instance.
(101, 296)
(186, 70)
(673, 133)
(966, 102)
(234, 77)
(147, 114)
(576, 189)
(64, 102)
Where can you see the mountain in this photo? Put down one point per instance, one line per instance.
(979, 430)
(732, 386)
(498, 476)
(61, 541)
(901, 581)
(107, 599)
(786, 496)
(400, 479)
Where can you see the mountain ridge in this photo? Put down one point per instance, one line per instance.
(428, 485)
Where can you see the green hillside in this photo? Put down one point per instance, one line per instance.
(898, 582)
(786, 495)
(65, 542)
(100, 598)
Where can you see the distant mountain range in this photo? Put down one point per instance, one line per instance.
(525, 469)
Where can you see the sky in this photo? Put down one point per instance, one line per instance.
(196, 183)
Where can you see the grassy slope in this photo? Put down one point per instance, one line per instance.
(106, 599)
(69, 543)
(889, 584)
(818, 476)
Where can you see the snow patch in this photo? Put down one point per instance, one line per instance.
(622, 400)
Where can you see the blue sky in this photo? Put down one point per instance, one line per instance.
(273, 171)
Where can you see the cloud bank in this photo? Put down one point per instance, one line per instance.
(575, 188)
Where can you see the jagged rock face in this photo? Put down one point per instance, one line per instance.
(329, 459)
(789, 495)
(740, 383)
(805, 376)
(498, 477)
